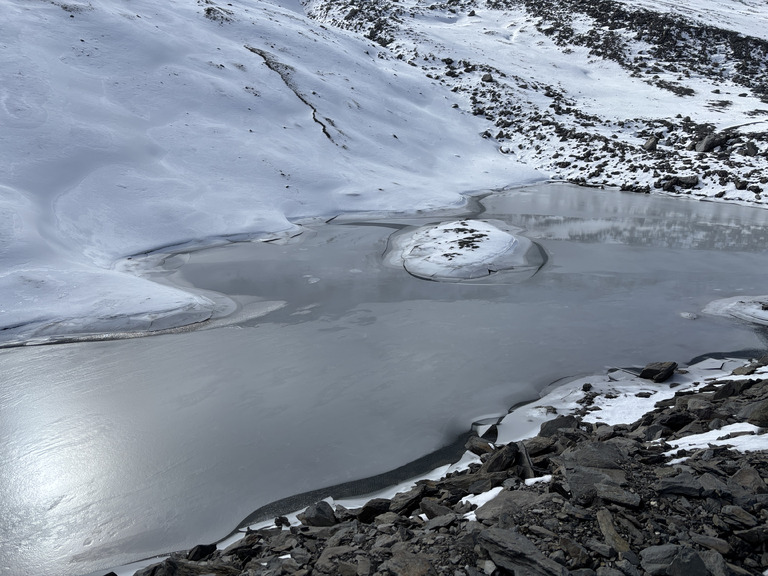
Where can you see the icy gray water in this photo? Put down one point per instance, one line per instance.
(116, 450)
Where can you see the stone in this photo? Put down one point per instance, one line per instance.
(738, 517)
(759, 415)
(713, 543)
(500, 459)
(710, 142)
(651, 144)
(478, 445)
(551, 427)
(750, 479)
(687, 562)
(594, 455)
(432, 508)
(200, 552)
(325, 563)
(318, 514)
(177, 567)
(441, 521)
(612, 537)
(655, 559)
(510, 502)
(373, 508)
(513, 552)
(407, 564)
(613, 493)
(406, 502)
(658, 371)
(684, 484)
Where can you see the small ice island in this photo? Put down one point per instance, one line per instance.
(463, 250)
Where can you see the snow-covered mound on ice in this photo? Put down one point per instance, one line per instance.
(459, 250)
(749, 308)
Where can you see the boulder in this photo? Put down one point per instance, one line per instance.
(551, 427)
(318, 514)
(658, 371)
(516, 554)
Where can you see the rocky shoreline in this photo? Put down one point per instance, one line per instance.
(579, 498)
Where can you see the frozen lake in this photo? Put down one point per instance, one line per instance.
(112, 451)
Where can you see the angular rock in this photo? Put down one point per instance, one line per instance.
(318, 514)
(200, 552)
(551, 427)
(759, 415)
(656, 559)
(750, 479)
(407, 564)
(738, 517)
(687, 562)
(594, 455)
(684, 484)
(432, 508)
(373, 508)
(612, 538)
(326, 563)
(658, 371)
(613, 493)
(176, 567)
(500, 459)
(510, 502)
(478, 445)
(651, 143)
(710, 142)
(406, 502)
(717, 544)
(441, 521)
(515, 553)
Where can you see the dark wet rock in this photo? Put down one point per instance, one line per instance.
(658, 371)
(515, 553)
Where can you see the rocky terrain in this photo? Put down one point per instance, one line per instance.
(542, 122)
(579, 498)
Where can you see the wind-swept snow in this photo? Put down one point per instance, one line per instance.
(132, 126)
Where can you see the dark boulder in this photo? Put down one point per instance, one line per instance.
(658, 371)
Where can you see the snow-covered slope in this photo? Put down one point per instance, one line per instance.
(134, 125)
(129, 125)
